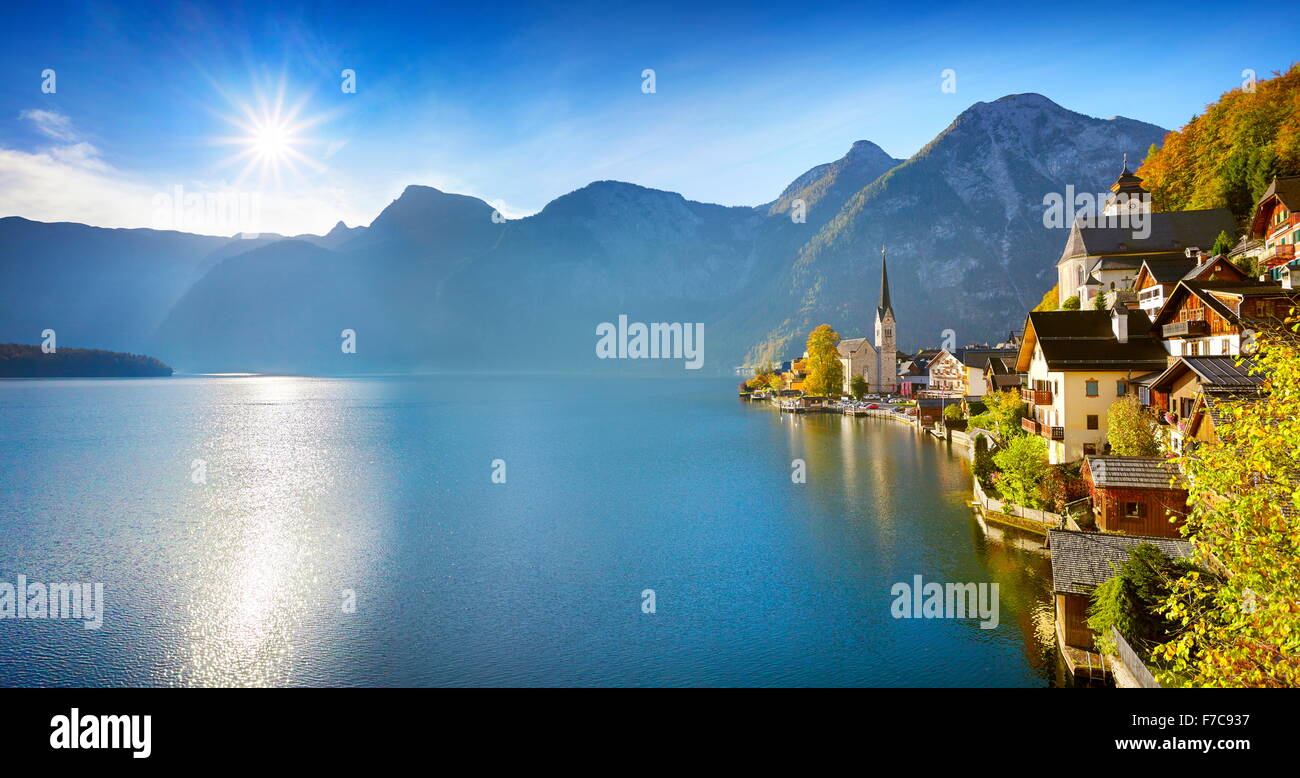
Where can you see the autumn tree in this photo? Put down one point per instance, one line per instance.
(1071, 303)
(1226, 157)
(1244, 495)
(825, 371)
(1050, 301)
(1131, 428)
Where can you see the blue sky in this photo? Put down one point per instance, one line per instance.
(519, 104)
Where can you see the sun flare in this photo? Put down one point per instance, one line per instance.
(272, 138)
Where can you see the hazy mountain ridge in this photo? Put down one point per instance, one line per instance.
(437, 281)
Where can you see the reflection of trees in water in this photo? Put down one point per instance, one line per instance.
(1022, 566)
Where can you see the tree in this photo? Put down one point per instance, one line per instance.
(825, 371)
(952, 412)
(1131, 601)
(775, 382)
(1002, 414)
(1049, 301)
(1061, 485)
(1244, 629)
(1022, 465)
(982, 463)
(1222, 244)
(1099, 302)
(857, 387)
(1071, 303)
(1227, 156)
(1131, 428)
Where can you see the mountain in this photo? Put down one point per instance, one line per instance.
(439, 282)
(94, 287)
(962, 222)
(825, 188)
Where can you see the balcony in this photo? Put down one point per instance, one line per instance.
(1035, 427)
(1186, 329)
(1037, 396)
(1280, 254)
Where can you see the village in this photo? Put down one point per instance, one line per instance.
(1080, 423)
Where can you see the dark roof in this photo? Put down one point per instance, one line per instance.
(1008, 380)
(884, 288)
(1170, 231)
(1116, 472)
(1081, 561)
(1117, 263)
(1214, 371)
(998, 364)
(1287, 190)
(979, 357)
(1084, 340)
(1169, 270)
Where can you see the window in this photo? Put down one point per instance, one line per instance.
(1091, 388)
(1135, 510)
(1092, 421)
(1121, 388)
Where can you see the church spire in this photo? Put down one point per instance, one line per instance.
(884, 306)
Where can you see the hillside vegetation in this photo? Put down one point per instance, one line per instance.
(21, 361)
(1226, 157)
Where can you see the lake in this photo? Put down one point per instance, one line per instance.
(259, 530)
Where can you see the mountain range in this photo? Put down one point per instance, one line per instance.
(439, 281)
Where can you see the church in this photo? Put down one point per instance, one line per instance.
(877, 363)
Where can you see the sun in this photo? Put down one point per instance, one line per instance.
(272, 141)
(272, 138)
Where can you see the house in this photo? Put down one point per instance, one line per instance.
(1157, 277)
(947, 375)
(974, 362)
(1214, 317)
(1082, 561)
(1136, 495)
(1076, 363)
(913, 378)
(1103, 257)
(1276, 223)
(876, 362)
(1189, 393)
(1000, 374)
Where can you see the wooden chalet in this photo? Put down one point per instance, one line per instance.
(1081, 561)
(1136, 495)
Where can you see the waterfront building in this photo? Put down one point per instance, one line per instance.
(1082, 561)
(876, 361)
(1076, 363)
(1136, 495)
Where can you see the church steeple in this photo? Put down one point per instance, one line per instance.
(884, 288)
